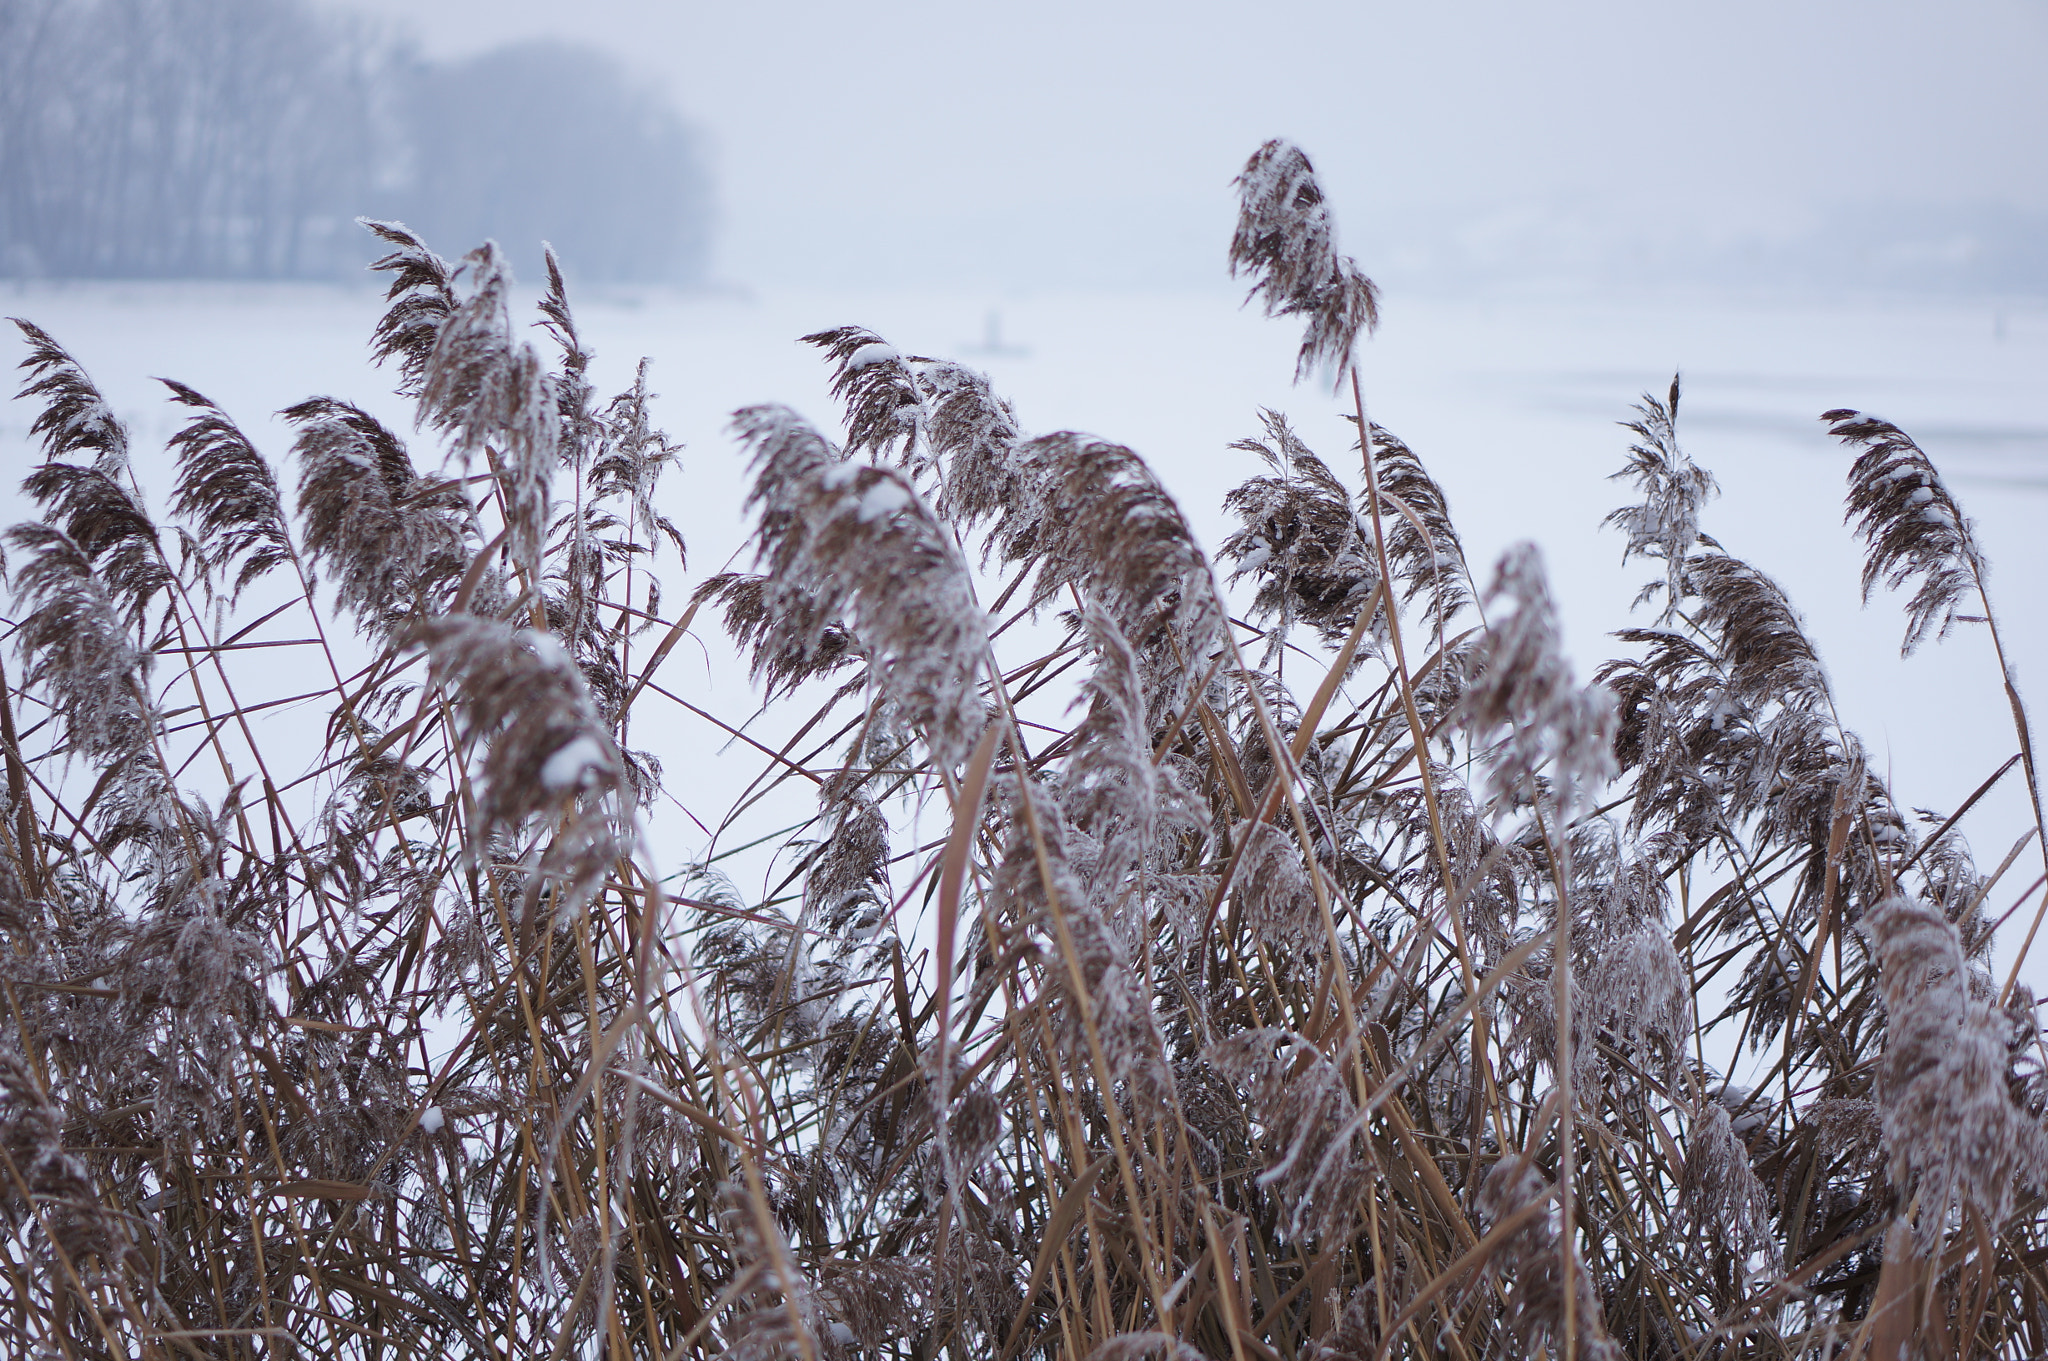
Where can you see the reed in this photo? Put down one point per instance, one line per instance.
(1314, 967)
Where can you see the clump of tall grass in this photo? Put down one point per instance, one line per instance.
(1322, 971)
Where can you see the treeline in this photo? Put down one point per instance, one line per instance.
(240, 138)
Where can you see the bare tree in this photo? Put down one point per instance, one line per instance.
(241, 138)
(544, 141)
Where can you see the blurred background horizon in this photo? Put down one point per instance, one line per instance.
(1820, 148)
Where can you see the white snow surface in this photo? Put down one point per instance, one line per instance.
(571, 764)
(882, 500)
(873, 353)
(546, 647)
(1511, 402)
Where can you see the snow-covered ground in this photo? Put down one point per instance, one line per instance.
(1511, 402)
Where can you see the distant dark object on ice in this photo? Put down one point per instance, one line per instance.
(992, 343)
(239, 139)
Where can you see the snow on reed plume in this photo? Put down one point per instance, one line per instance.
(1732, 715)
(942, 420)
(1111, 786)
(1666, 523)
(846, 882)
(74, 418)
(1319, 1161)
(421, 298)
(1529, 1267)
(1309, 551)
(538, 746)
(1424, 553)
(80, 648)
(1102, 1006)
(1720, 1197)
(1090, 519)
(394, 543)
(1287, 243)
(1632, 1010)
(1521, 702)
(1950, 1127)
(187, 970)
(841, 539)
(89, 502)
(489, 391)
(1912, 527)
(49, 1199)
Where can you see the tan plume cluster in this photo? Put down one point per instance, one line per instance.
(1093, 958)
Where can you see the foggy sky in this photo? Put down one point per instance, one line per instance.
(1056, 142)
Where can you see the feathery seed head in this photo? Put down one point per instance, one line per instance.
(79, 646)
(1911, 524)
(1666, 523)
(1920, 957)
(1111, 785)
(1530, 1264)
(522, 705)
(394, 542)
(1286, 242)
(841, 539)
(110, 526)
(938, 417)
(1320, 1158)
(90, 502)
(1949, 1121)
(1093, 976)
(1423, 550)
(490, 390)
(973, 434)
(1273, 885)
(75, 419)
(1093, 519)
(846, 886)
(1632, 1005)
(422, 298)
(50, 1195)
(1298, 535)
(1523, 694)
(1759, 635)
(228, 490)
(879, 389)
(1720, 1199)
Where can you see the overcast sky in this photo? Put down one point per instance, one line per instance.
(1058, 142)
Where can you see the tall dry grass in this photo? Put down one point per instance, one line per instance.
(1352, 1008)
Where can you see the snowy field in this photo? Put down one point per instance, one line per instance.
(1512, 404)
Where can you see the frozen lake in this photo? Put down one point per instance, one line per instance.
(1511, 402)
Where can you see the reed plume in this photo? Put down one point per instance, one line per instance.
(228, 490)
(1666, 523)
(1287, 243)
(1950, 1127)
